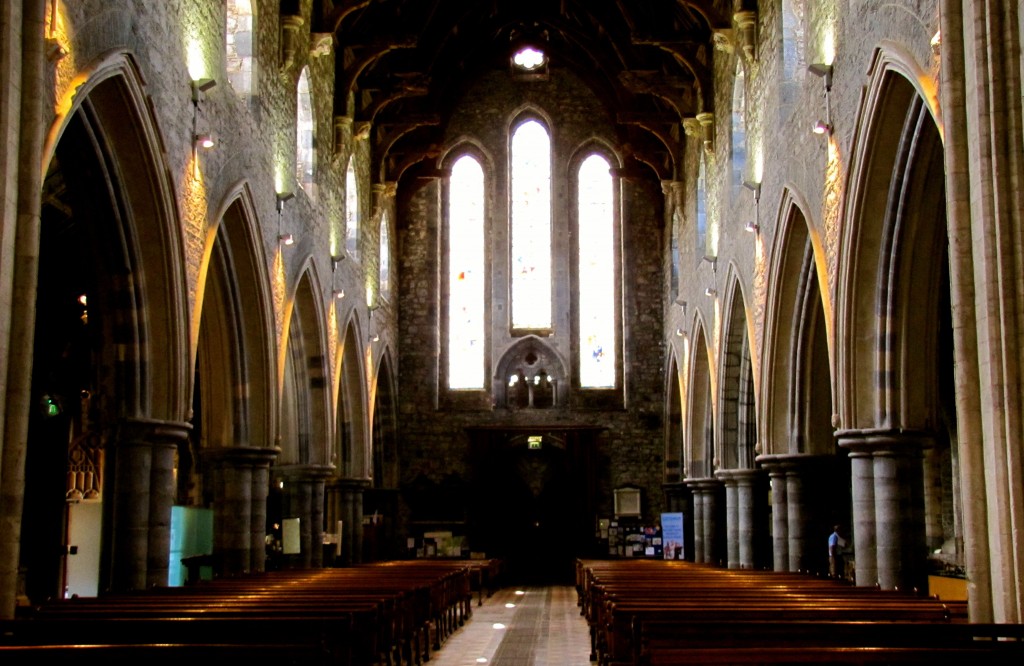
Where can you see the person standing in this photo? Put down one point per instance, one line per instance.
(835, 553)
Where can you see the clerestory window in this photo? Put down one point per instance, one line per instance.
(531, 227)
(466, 277)
(596, 207)
(351, 209)
(304, 155)
(239, 58)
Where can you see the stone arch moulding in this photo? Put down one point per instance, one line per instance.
(527, 358)
(674, 417)
(736, 361)
(351, 412)
(895, 82)
(699, 407)
(236, 222)
(786, 261)
(112, 90)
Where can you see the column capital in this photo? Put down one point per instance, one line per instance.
(738, 476)
(705, 484)
(350, 484)
(884, 441)
(791, 462)
(152, 431)
(307, 472)
(239, 456)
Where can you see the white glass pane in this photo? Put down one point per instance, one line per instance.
(384, 273)
(304, 134)
(531, 227)
(351, 210)
(596, 274)
(466, 277)
(239, 52)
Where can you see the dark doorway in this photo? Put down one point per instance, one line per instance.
(533, 500)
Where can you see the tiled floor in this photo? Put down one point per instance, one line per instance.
(543, 628)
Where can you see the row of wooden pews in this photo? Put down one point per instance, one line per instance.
(652, 613)
(388, 613)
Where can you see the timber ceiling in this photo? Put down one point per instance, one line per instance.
(405, 62)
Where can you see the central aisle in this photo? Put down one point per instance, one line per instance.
(543, 627)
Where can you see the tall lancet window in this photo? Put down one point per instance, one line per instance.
(531, 227)
(304, 134)
(596, 208)
(466, 275)
(351, 209)
(238, 45)
(384, 270)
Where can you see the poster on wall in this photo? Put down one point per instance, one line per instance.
(672, 536)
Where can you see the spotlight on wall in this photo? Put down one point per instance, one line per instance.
(679, 332)
(376, 338)
(282, 198)
(286, 239)
(711, 291)
(822, 127)
(754, 187)
(752, 227)
(824, 71)
(339, 293)
(200, 86)
(204, 140)
(711, 260)
(335, 261)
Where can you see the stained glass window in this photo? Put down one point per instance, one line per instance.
(351, 210)
(304, 135)
(384, 269)
(531, 227)
(466, 278)
(239, 51)
(596, 274)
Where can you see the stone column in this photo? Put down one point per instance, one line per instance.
(143, 493)
(888, 504)
(303, 498)
(705, 523)
(799, 515)
(780, 515)
(741, 512)
(345, 503)
(239, 477)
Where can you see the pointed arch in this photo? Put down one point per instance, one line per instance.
(305, 403)
(110, 255)
(234, 297)
(794, 301)
(738, 411)
(700, 431)
(351, 416)
(674, 434)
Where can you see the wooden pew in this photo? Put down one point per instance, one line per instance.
(649, 612)
(360, 615)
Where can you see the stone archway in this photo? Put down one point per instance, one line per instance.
(110, 355)
(896, 360)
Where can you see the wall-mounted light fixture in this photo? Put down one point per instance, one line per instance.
(376, 338)
(754, 187)
(711, 291)
(337, 291)
(204, 140)
(283, 198)
(682, 308)
(679, 332)
(713, 261)
(825, 72)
